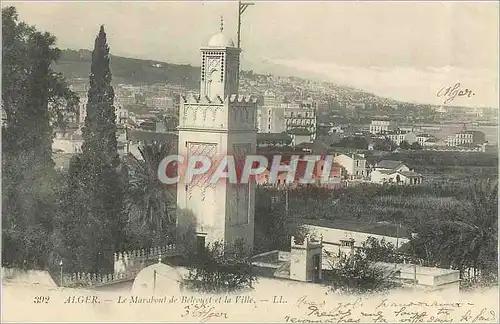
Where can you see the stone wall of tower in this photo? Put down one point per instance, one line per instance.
(234, 113)
(232, 71)
(215, 128)
(217, 123)
(219, 71)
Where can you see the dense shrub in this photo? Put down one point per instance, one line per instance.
(215, 270)
(356, 274)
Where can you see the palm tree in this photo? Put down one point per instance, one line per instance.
(473, 241)
(150, 203)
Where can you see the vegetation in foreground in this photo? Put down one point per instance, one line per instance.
(355, 274)
(456, 225)
(216, 272)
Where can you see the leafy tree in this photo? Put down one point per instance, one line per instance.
(150, 203)
(383, 144)
(216, 271)
(464, 237)
(415, 146)
(380, 250)
(31, 95)
(477, 226)
(97, 171)
(273, 225)
(356, 274)
(404, 145)
(354, 142)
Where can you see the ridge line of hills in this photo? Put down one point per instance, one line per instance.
(75, 64)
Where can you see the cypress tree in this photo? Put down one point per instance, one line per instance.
(99, 132)
(95, 187)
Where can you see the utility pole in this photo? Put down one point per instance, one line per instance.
(286, 201)
(242, 6)
(61, 265)
(414, 236)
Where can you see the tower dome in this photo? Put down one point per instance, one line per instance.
(220, 40)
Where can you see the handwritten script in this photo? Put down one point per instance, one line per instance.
(385, 311)
(451, 92)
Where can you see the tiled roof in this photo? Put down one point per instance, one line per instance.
(388, 164)
(410, 174)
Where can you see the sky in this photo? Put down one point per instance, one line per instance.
(403, 50)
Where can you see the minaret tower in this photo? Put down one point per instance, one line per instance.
(220, 62)
(216, 123)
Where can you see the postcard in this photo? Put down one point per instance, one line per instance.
(250, 161)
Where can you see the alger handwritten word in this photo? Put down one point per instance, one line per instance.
(451, 92)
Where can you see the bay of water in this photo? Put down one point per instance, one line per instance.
(490, 132)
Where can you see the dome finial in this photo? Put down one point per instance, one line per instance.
(221, 24)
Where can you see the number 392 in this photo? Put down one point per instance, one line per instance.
(41, 299)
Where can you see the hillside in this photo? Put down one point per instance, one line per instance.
(76, 64)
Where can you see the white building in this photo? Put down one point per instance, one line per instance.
(278, 115)
(389, 165)
(466, 137)
(217, 122)
(382, 125)
(396, 177)
(355, 164)
(70, 142)
(161, 103)
(433, 142)
(429, 279)
(422, 138)
(121, 115)
(272, 113)
(301, 116)
(399, 136)
(343, 238)
(124, 100)
(394, 172)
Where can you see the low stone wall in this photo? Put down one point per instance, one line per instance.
(34, 277)
(134, 261)
(127, 265)
(82, 279)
